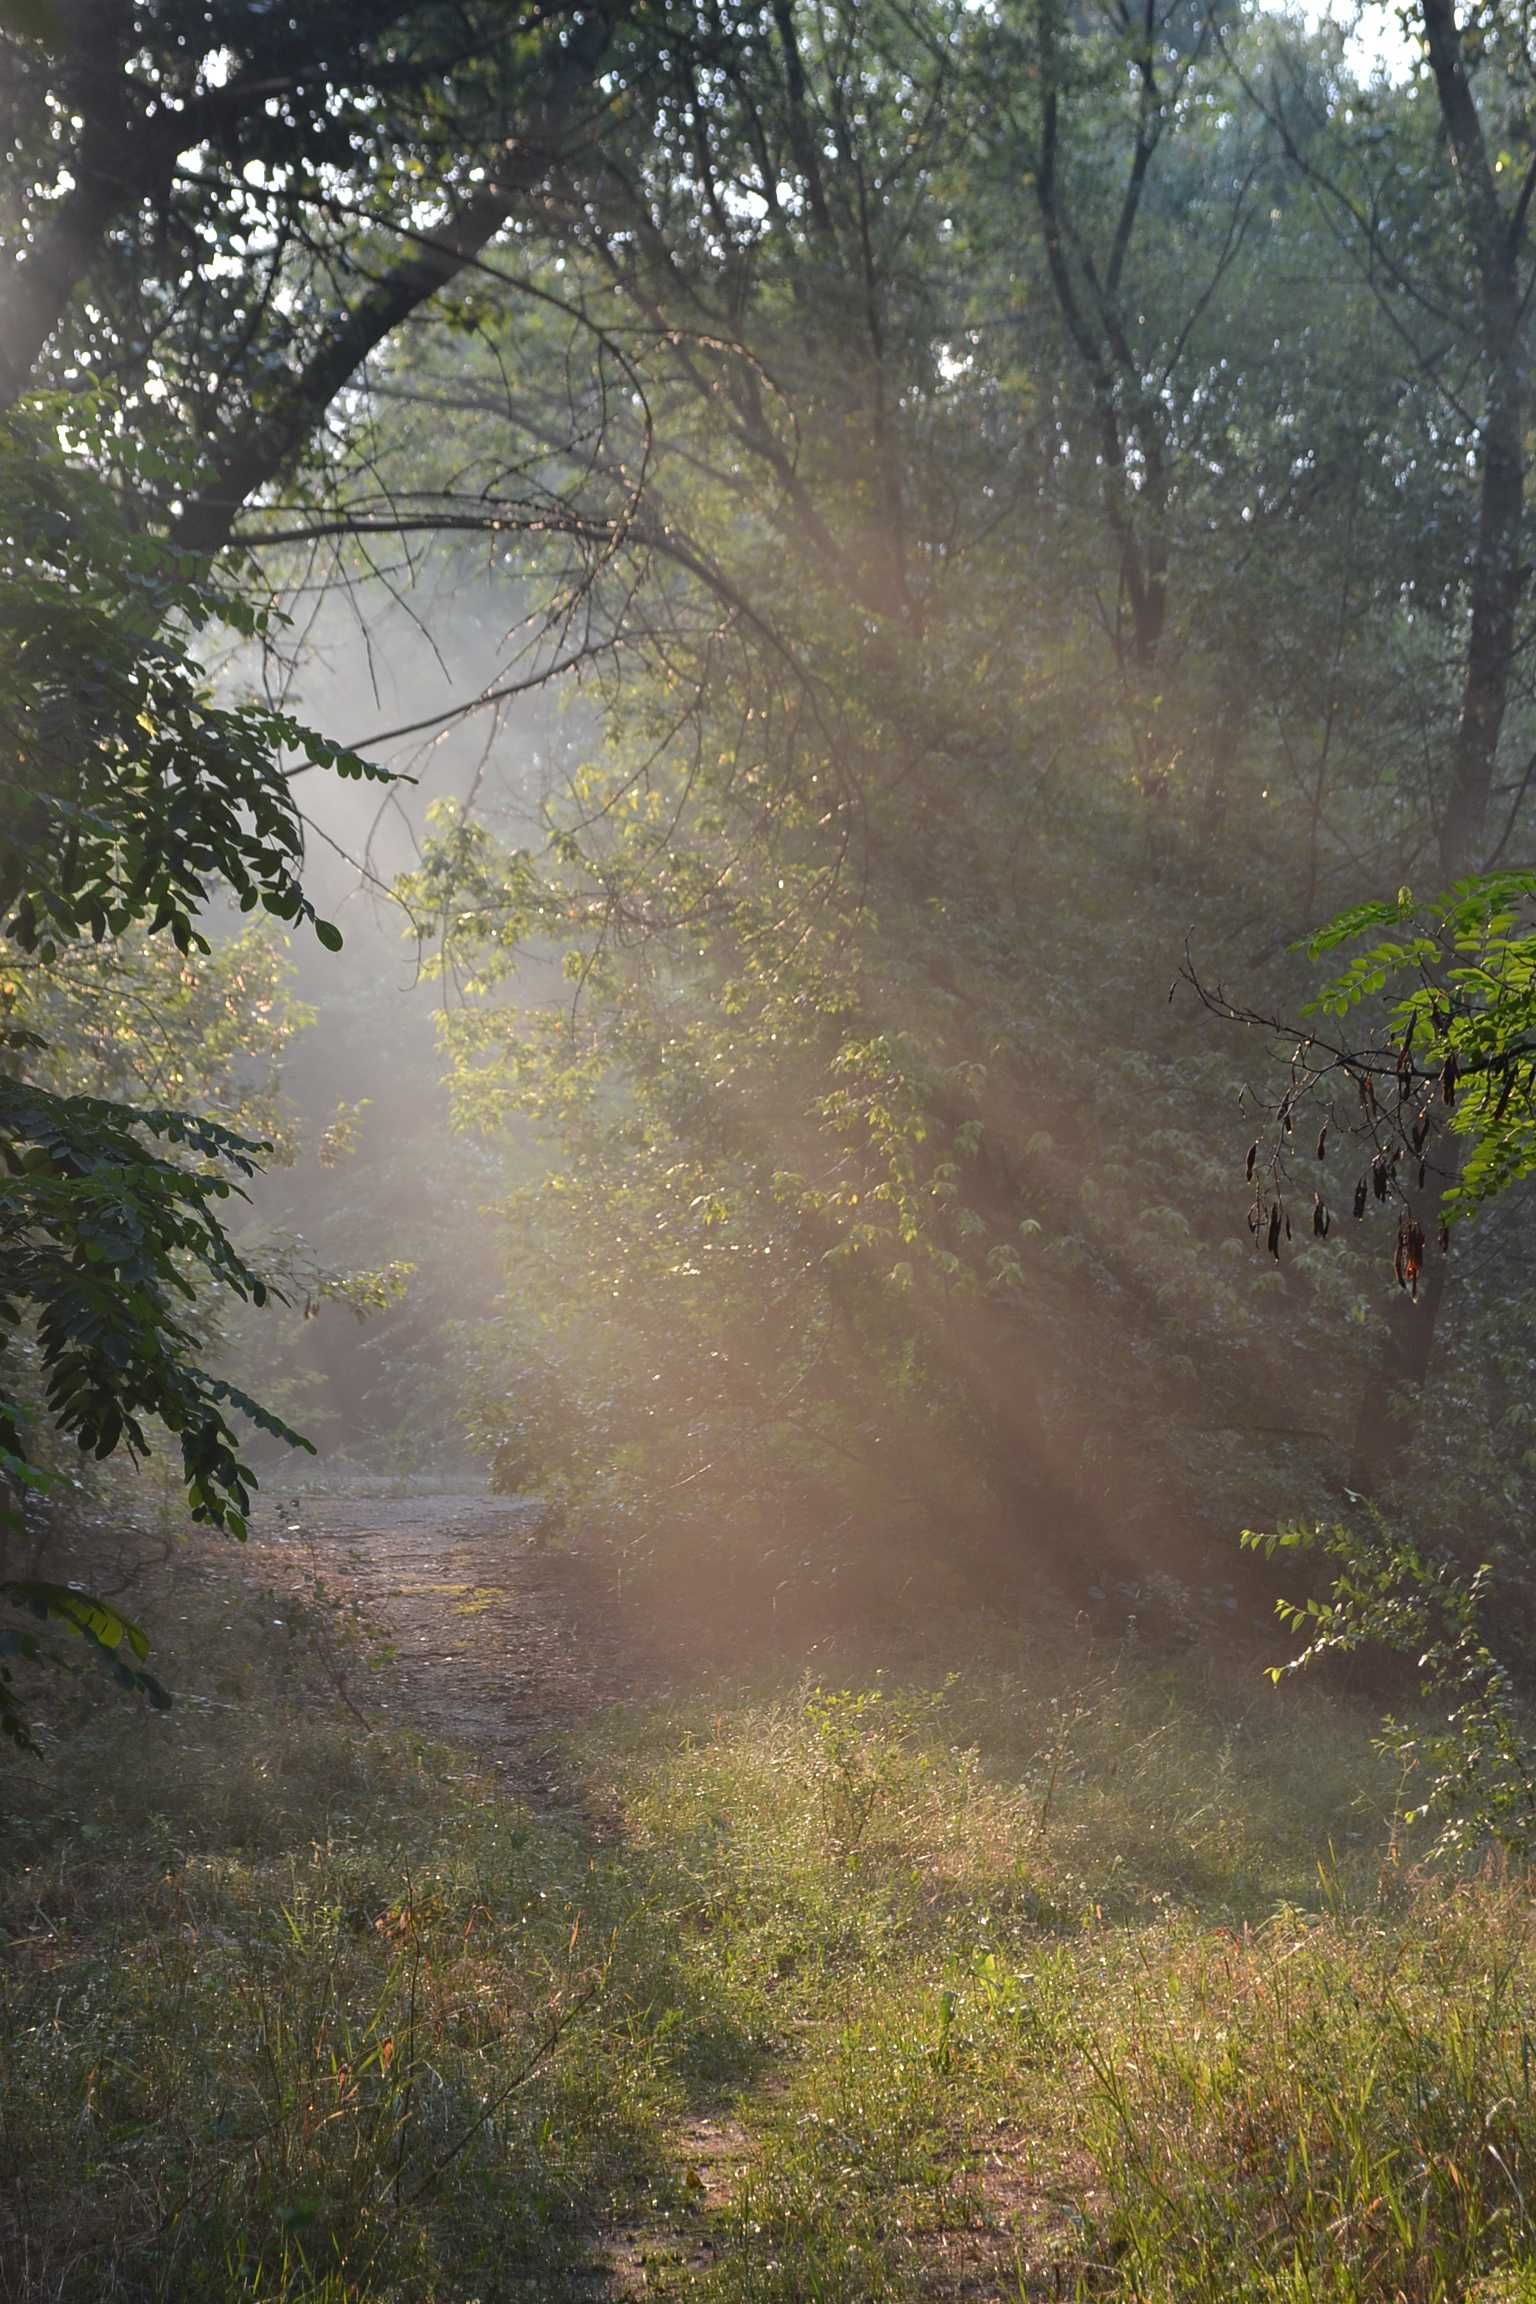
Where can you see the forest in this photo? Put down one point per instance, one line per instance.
(767, 1104)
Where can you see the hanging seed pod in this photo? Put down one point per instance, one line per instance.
(1319, 1217)
(1420, 1128)
(1253, 1159)
(1287, 1224)
(1506, 1091)
(1405, 1060)
(1380, 1171)
(1274, 1231)
(1448, 1078)
(1360, 1192)
(1410, 1250)
(1322, 1142)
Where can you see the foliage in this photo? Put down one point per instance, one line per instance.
(134, 791)
(106, 1632)
(867, 1152)
(133, 788)
(858, 882)
(1474, 1770)
(1011, 497)
(99, 1228)
(1414, 1058)
(1457, 981)
(102, 1231)
(134, 1021)
(173, 344)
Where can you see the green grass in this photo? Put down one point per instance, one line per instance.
(1067, 1976)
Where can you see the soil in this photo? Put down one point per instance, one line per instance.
(494, 1639)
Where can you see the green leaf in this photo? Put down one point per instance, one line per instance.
(82, 1612)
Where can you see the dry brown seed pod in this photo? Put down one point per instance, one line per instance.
(1507, 1090)
(1410, 1252)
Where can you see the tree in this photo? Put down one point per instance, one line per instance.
(1454, 968)
(135, 142)
(833, 1193)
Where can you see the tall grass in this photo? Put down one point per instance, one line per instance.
(1337, 2107)
(1065, 1975)
(294, 2011)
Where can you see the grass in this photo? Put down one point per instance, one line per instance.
(1075, 1975)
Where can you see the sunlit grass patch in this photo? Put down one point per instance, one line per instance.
(1057, 1796)
(1340, 2106)
(1039, 1913)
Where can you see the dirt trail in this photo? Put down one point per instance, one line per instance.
(498, 1645)
(498, 1642)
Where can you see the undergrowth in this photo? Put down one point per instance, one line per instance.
(1060, 1976)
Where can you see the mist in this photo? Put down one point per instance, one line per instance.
(767, 1105)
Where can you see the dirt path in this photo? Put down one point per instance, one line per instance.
(499, 1644)
(496, 1641)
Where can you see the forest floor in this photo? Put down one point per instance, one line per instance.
(456, 1939)
(496, 1641)
(498, 1644)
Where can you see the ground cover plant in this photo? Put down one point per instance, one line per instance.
(1083, 1973)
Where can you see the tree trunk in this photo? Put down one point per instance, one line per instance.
(1495, 582)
